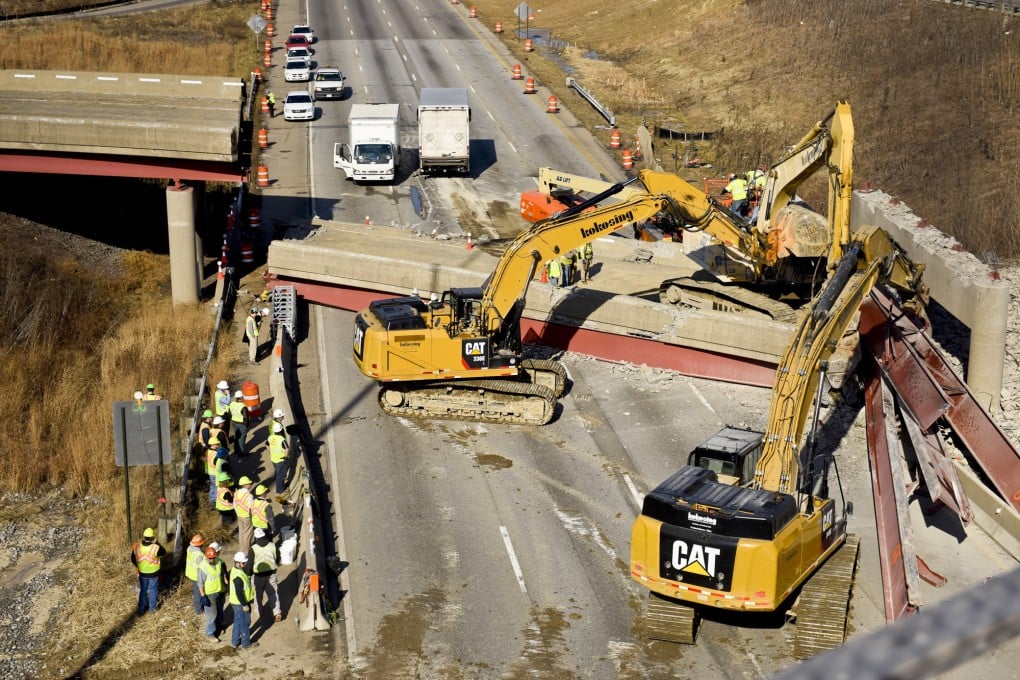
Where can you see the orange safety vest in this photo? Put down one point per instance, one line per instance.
(242, 502)
(221, 499)
(259, 517)
(147, 558)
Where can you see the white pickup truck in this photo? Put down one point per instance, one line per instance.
(328, 83)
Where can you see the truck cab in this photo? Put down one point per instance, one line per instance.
(731, 453)
(373, 150)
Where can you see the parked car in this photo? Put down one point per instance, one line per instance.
(296, 71)
(298, 106)
(328, 83)
(300, 54)
(298, 40)
(305, 30)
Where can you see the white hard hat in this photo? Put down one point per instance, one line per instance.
(215, 546)
(223, 385)
(265, 311)
(259, 532)
(138, 394)
(217, 421)
(239, 395)
(433, 297)
(240, 557)
(278, 413)
(277, 427)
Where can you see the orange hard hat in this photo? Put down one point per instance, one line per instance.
(210, 553)
(197, 539)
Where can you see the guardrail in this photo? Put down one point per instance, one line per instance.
(596, 104)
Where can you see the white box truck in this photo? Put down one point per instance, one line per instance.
(444, 122)
(373, 154)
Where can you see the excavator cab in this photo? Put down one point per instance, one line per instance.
(732, 453)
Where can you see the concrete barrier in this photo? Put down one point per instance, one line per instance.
(94, 83)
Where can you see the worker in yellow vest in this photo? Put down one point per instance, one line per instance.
(150, 393)
(737, 189)
(192, 559)
(212, 582)
(242, 594)
(217, 440)
(225, 500)
(147, 555)
(242, 508)
(239, 422)
(221, 399)
(264, 563)
(554, 271)
(262, 511)
(279, 456)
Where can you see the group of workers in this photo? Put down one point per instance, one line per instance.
(561, 270)
(744, 190)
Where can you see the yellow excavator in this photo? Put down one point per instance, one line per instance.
(778, 260)
(749, 523)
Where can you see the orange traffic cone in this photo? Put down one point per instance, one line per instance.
(470, 245)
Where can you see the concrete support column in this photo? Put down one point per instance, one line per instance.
(965, 286)
(185, 245)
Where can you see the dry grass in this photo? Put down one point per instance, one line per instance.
(935, 89)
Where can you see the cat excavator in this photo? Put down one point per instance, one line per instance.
(769, 266)
(751, 523)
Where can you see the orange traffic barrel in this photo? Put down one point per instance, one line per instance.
(265, 104)
(517, 72)
(263, 176)
(225, 252)
(553, 105)
(256, 74)
(473, 13)
(628, 160)
(269, 12)
(254, 219)
(499, 27)
(267, 60)
(268, 46)
(263, 138)
(614, 139)
(270, 31)
(637, 148)
(250, 390)
(247, 252)
(527, 45)
(529, 86)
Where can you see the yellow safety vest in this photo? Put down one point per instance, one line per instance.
(146, 558)
(192, 561)
(242, 502)
(222, 401)
(737, 189)
(210, 461)
(236, 415)
(213, 576)
(214, 439)
(264, 558)
(259, 516)
(251, 328)
(554, 268)
(249, 589)
(277, 448)
(222, 504)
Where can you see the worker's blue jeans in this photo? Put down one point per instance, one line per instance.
(280, 473)
(213, 613)
(241, 632)
(148, 591)
(212, 489)
(196, 597)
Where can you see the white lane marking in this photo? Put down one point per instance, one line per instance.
(700, 396)
(513, 559)
(512, 147)
(754, 662)
(577, 525)
(341, 544)
(489, 113)
(638, 500)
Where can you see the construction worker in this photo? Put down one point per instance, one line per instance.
(252, 330)
(212, 582)
(567, 267)
(271, 101)
(242, 508)
(147, 555)
(737, 189)
(261, 511)
(193, 558)
(279, 456)
(242, 594)
(225, 500)
(217, 440)
(221, 399)
(239, 422)
(585, 257)
(554, 271)
(205, 429)
(150, 393)
(278, 416)
(265, 561)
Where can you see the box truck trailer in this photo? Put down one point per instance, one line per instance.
(444, 122)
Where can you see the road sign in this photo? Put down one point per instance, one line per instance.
(141, 432)
(523, 11)
(257, 24)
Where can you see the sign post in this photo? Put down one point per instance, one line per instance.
(140, 431)
(523, 13)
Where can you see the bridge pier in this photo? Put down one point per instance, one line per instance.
(185, 244)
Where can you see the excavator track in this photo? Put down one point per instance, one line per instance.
(546, 372)
(669, 620)
(824, 603)
(720, 297)
(490, 401)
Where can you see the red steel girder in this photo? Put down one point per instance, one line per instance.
(609, 346)
(122, 166)
(930, 390)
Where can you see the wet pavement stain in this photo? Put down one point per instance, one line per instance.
(493, 460)
(398, 651)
